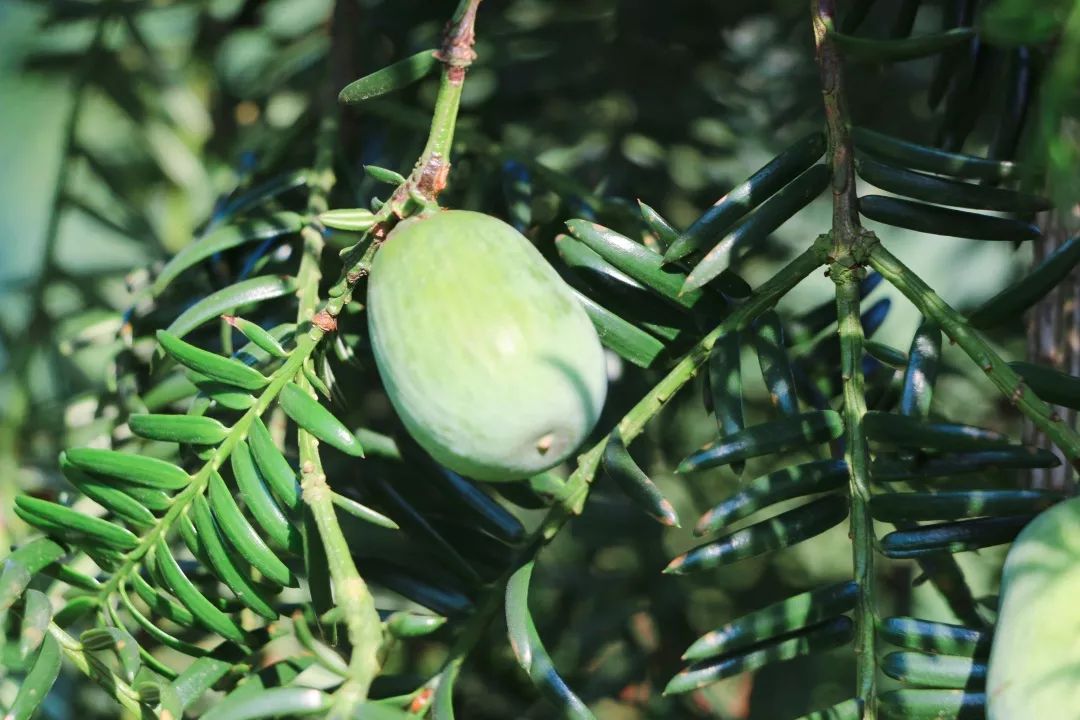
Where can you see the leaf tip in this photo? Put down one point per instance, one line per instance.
(675, 567)
(690, 285)
(674, 251)
(673, 687)
(668, 516)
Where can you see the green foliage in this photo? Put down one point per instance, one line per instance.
(1054, 141)
(240, 528)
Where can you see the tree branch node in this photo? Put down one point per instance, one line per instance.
(457, 50)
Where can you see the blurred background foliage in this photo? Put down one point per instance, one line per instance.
(177, 104)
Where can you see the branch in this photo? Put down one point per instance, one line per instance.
(112, 683)
(850, 243)
(426, 181)
(857, 454)
(457, 54)
(845, 225)
(319, 324)
(576, 492)
(351, 593)
(632, 424)
(424, 184)
(956, 328)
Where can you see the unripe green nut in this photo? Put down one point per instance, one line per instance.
(486, 355)
(1035, 660)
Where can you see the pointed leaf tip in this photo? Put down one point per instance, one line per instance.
(669, 516)
(635, 484)
(675, 566)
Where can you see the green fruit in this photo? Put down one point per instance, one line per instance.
(1035, 659)
(489, 359)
